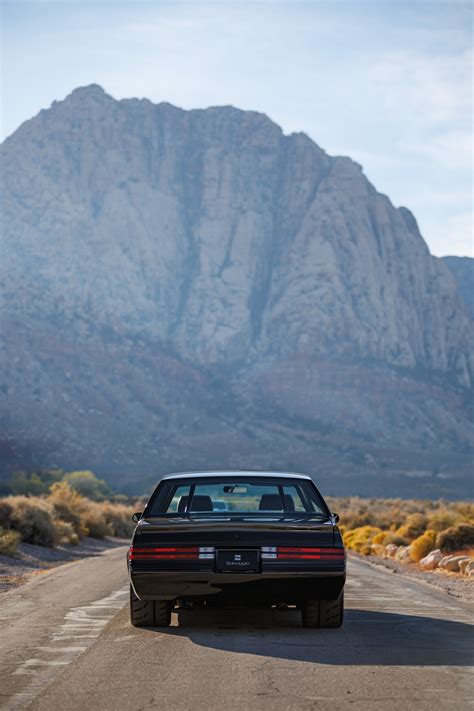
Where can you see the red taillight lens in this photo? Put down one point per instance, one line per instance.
(164, 553)
(171, 553)
(308, 553)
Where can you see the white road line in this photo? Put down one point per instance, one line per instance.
(80, 623)
(57, 650)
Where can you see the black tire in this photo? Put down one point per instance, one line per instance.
(149, 613)
(323, 613)
(332, 612)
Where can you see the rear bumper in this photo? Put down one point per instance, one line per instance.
(289, 586)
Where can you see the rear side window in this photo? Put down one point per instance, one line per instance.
(294, 494)
(228, 496)
(179, 493)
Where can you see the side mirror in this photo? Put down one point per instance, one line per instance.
(335, 517)
(137, 516)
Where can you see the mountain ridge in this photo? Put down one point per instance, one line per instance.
(462, 269)
(252, 258)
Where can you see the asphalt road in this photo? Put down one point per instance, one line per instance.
(66, 643)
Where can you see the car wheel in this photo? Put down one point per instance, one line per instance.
(331, 612)
(310, 613)
(162, 613)
(149, 613)
(323, 613)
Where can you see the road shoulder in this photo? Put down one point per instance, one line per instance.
(451, 584)
(33, 561)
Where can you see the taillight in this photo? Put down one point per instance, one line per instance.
(301, 553)
(171, 553)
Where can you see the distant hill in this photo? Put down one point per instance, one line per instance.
(462, 269)
(192, 289)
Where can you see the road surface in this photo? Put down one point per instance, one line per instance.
(66, 643)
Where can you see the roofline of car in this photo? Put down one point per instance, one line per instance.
(235, 473)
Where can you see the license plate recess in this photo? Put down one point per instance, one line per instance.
(237, 561)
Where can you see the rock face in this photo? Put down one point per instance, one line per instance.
(195, 288)
(462, 269)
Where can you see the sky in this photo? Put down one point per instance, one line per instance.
(386, 82)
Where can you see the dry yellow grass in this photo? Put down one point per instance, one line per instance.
(422, 524)
(63, 516)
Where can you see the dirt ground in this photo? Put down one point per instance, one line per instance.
(36, 560)
(452, 583)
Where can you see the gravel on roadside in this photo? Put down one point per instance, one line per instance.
(35, 560)
(451, 583)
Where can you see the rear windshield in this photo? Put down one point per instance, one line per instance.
(227, 496)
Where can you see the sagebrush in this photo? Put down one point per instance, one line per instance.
(424, 525)
(62, 516)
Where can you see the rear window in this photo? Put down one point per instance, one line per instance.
(229, 496)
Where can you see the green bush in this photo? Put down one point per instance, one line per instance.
(34, 483)
(87, 484)
(456, 538)
(9, 541)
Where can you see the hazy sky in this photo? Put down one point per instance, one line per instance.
(388, 83)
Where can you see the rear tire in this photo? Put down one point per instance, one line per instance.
(323, 613)
(310, 613)
(149, 613)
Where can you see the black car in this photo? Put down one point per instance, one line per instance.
(270, 540)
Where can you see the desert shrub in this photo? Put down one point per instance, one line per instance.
(33, 483)
(442, 519)
(387, 514)
(393, 537)
(400, 521)
(6, 510)
(69, 505)
(456, 538)
(119, 518)
(94, 521)
(33, 519)
(9, 541)
(360, 539)
(465, 510)
(65, 532)
(422, 545)
(414, 526)
(87, 484)
(90, 518)
(386, 537)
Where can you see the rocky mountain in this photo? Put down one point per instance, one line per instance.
(462, 269)
(186, 289)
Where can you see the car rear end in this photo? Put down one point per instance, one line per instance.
(248, 554)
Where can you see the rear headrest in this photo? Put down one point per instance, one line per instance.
(272, 502)
(199, 503)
